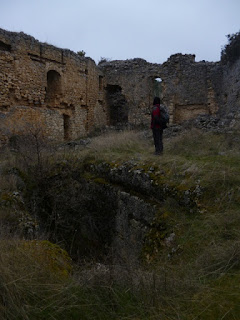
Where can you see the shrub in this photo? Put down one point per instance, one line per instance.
(103, 60)
(231, 51)
(81, 53)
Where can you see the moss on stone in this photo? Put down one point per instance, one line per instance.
(50, 256)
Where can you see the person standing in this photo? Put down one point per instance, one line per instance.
(156, 126)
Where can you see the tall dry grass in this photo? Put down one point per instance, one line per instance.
(121, 145)
(196, 277)
(29, 279)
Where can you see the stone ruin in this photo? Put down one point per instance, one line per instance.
(68, 96)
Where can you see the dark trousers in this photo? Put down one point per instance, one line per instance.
(157, 137)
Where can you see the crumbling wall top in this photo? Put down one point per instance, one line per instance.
(123, 65)
(19, 41)
(179, 57)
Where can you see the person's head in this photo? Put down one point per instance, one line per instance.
(156, 100)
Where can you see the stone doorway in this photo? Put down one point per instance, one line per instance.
(118, 107)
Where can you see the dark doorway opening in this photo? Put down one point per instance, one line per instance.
(54, 87)
(118, 107)
(66, 126)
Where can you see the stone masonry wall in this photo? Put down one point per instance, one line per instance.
(231, 91)
(68, 96)
(189, 88)
(55, 87)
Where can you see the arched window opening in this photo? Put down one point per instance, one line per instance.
(54, 88)
(66, 126)
(157, 87)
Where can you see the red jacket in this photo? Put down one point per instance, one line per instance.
(155, 115)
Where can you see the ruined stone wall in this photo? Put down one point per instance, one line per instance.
(68, 96)
(132, 81)
(55, 87)
(231, 90)
(188, 88)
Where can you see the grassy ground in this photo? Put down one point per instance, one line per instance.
(195, 277)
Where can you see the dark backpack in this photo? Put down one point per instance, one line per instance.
(164, 117)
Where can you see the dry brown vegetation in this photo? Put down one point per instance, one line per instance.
(196, 277)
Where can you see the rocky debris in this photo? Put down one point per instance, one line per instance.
(170, 239)
(145, 182)
(213, 123)
(77, 144)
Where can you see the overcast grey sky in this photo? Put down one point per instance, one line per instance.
(126, 29)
